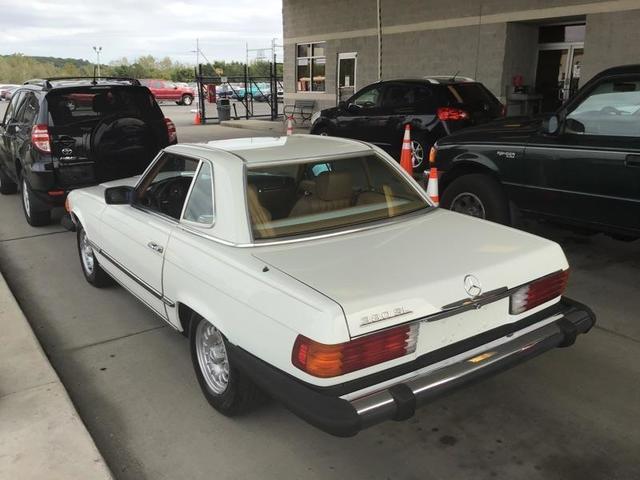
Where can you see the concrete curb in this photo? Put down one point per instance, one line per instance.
(41, 434)
(269, 126)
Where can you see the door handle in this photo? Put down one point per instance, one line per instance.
(155, 247)
(632, 161)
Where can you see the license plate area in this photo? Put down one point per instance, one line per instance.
(76, 174)
(446, 331)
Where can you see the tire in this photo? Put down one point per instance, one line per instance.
(322, 130)
(186, 100)
(91, 269)
(227, 389)
(478, 195)
(35, 218)
(7, 186)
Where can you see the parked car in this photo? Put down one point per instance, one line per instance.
(579, 166)
(58, 135)
(301, 278)
(166, 91)
(433, 106)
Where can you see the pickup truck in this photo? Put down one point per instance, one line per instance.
(288, 263)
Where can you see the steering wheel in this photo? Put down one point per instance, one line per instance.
(168, 196)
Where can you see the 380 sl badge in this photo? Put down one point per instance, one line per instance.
(384, 315)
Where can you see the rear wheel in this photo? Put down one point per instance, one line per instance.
(35, 217)
(420, 152)
(7, 186)
(227, 389)
(477, 195)
(187, 100)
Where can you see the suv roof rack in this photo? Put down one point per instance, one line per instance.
(46, 82)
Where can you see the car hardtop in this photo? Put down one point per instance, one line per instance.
(432, 80)
(258, 150)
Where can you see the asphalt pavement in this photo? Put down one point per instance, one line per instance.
(571, 414)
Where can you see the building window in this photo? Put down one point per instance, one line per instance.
(310, 67)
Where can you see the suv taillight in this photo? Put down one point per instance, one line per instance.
(449, 113)
(40, 138)
(538, 292)
(171, 131)
(325, 361)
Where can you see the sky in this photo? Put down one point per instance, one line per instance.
(132, 28)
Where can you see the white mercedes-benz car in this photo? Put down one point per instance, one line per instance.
(315, 269)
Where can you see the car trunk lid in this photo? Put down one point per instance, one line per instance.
(416, 268)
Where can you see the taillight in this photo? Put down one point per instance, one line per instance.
(40, 138)
(432, 155)
(449, 113)
(171, 131)
(538, 292)
(325, 361)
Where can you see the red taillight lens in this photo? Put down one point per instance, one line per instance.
(171, 131)
(448, 113)
(325, 361)
(40, 138)
(538, 292)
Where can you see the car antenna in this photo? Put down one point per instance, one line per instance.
(453, 79)
(95, 82)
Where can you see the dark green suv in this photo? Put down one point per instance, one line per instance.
(578, 166)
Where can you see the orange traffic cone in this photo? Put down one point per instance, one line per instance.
(406, 153)
(432, 185)
(289, 126)
(197, 120)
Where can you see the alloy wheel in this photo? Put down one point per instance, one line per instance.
(469, 204)
(212, 357)
(86, 253)
(418, 153)
(25, 198)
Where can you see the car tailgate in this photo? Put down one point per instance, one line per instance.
(379, 281)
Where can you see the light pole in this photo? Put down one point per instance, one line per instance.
(98, 50)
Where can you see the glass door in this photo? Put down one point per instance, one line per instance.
(346, 86)
(558, 74)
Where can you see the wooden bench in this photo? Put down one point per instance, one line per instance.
(303, 109)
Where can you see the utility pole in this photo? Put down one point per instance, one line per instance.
(98, 50)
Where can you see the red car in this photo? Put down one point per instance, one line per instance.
(164, 90)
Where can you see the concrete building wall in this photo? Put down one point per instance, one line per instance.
(490, 40)
(612, 39)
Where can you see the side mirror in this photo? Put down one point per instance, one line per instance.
(551, 125)
(118, 195)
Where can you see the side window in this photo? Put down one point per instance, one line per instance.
(12, 110)
(425, 100)
(199, 207)
(165, 187)
(368, 98)
(398, 97)
(613, 108)
(28, 110)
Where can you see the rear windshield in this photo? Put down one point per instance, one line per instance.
(80, 104)
(303, 198)
(474, 96)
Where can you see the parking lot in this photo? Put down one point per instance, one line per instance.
(570, 414)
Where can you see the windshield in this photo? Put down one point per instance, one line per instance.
(302, 198)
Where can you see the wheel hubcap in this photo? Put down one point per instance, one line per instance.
(418, 154)
(86, 253)
(25, 198)
(469, 204)
(212, 357)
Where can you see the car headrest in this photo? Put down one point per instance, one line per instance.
(334, 186)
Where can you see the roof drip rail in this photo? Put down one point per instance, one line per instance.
(46, 82)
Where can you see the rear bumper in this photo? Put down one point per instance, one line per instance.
(344, 418)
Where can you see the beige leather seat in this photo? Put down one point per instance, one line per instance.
(260, 216)
(333, 191)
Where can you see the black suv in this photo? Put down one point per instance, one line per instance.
(65, 133)
(433, 106)
(578, 166)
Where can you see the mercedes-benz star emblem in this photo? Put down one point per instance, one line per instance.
(472, 286)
